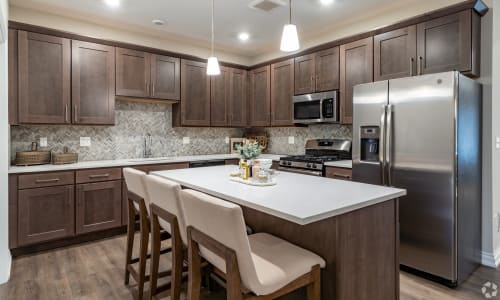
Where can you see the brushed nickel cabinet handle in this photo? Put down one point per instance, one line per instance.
(147, 87)
(153, 84)
(342, 176)
(66, 118)
(420, 59)
(47, 180)
(99, 175)
(76, 113)
(412, 60)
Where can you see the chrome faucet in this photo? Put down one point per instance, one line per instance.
(148, 143)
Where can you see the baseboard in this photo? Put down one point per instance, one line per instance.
(5, 267)
(491, 259)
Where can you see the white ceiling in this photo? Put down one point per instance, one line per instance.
(189, 20)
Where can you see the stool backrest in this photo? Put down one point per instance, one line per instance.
(222, 221)
(165, 194)
(135, 184)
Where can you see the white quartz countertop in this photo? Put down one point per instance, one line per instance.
(129, 162)
(347, 164)
(298, 198)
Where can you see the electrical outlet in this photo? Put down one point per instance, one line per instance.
(43, 142)
(85, 142)
(291, 140)
(227, 140)
(186, 140)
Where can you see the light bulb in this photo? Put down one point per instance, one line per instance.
(213, 66)
(289, 39)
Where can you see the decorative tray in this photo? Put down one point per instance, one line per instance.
(253, 182)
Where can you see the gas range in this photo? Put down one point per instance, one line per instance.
(318, 152)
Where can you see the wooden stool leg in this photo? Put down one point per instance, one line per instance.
(143, 251)
(155, 254)
(176, 278)
(314, 288)
(194, 270)
(130, 239)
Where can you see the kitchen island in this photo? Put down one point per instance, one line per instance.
(353, 226)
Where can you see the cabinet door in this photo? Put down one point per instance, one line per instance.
(260, 96)
(219, 99)
(195, 94)
(93, 83)
(44, 64)
(395, 54)
(98, 206)
(305, 74)
(46, 214)
(327, 70)
(133, 73)
(238, 98)
(13, 79)
(445, 44)
(356, 66)
(338, 173)
(282, 93)
(165, 77)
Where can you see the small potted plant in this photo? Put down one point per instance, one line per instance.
(249, 150)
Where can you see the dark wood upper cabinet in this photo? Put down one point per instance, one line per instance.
(219, 99)
(327, 70)
(260, 96)
(13, 82)
(317, 72)
(45, 214)
(133, 73)
(305, 74)
(448, 43)
(93, 83)
(98, 206)
(195, 94)
(165, 77)
(395, 54)
(44, 86)
(356, 66)
(282, 79)
(238, 98)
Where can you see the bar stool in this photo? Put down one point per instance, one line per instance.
(258, 266)
(166, 213)
(138, 206)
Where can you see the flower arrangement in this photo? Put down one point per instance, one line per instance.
(249, 149)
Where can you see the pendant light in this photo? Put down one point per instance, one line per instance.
(290, 38)
(213, 62)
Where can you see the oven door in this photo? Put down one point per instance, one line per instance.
(301, 171)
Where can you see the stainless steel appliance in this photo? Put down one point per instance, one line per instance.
(316, 108)
(318, 152)
(423, 134)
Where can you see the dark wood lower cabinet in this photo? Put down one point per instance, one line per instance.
(98, 206)
(45, 214)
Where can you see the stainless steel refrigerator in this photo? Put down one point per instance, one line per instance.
(423, 134)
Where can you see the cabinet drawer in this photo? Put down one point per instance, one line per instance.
(46, 179)
(338, 173)
(97, 175)
(153, 168)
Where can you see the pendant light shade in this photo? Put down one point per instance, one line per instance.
(290, 38)
(213, 66)
(213, 63)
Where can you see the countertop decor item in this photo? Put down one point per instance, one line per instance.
(234, 143)
(254, 182)
(249, 149)
(64, 158)
(33, 157)
(260, 137)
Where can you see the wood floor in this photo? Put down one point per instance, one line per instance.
(95, 271)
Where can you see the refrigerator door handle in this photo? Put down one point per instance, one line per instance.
(381, 153)
(388, 144)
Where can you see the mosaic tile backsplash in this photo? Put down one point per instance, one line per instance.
(135, 120)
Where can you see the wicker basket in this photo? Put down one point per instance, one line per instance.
(30, 158)
(64, 158)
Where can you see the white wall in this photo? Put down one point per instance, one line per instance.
(5, 259)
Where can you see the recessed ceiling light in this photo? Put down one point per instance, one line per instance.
(326, 2)
(243, 36)
(112, 2)
(158, 22)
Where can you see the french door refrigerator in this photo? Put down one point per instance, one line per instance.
(423, 134)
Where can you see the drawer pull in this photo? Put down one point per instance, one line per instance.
(342, 176)
(99, 176)
(46, 180)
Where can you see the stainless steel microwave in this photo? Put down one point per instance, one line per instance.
(316, 108)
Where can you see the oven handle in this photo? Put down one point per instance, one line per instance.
(301, 171)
